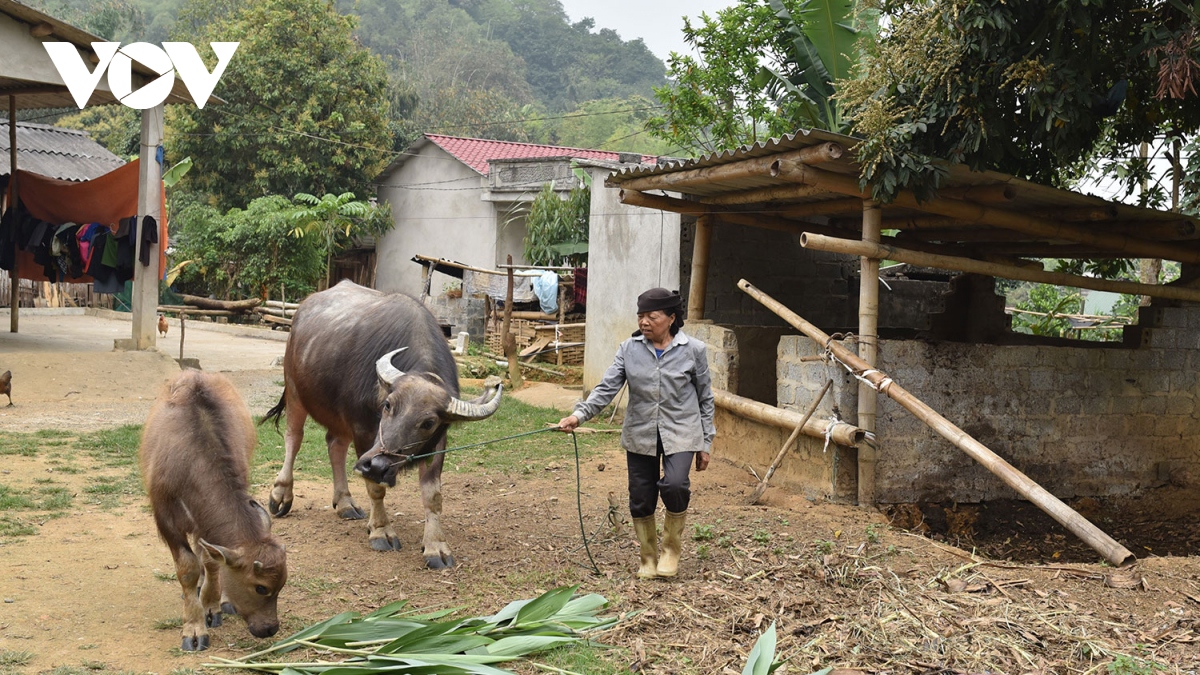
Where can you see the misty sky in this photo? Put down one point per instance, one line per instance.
(658, 22)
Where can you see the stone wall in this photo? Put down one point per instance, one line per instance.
(1080, 421)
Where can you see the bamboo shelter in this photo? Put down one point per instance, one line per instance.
(800, 196)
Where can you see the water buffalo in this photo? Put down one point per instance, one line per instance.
(195, 457)
(375, 369)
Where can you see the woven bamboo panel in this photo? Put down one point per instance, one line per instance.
(522, 329)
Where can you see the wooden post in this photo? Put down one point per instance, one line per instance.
(182, 330)
(1112, 551)
(562, 315)
(146, 277)
(868, 348)
(506, 337)
(14, 291)
(699, 285)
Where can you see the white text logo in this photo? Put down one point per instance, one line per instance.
(173, 57)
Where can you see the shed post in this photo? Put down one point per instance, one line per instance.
(145, 277)
(699, 284)
(14, 292)
(868, 348)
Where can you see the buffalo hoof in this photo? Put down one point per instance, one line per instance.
(212, 620)
(227, 608)
(351, 512)
(280, 510)
(385, 544)
(439, 562)
(194, 643)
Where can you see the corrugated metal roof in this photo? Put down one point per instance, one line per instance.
(66, 154)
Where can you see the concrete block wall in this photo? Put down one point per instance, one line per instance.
(1079, 421)
(461, 314)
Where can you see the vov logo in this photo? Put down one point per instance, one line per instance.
(173, 57)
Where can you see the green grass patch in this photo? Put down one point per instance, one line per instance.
(110, 491)
(174, 623)
(11, 526)
(113, 447)
(13, 500)
(16, 443)
(9, 657)
(587, 659)
(521, 455)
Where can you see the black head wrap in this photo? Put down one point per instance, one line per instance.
(662, 299)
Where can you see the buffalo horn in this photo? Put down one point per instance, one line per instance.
(388, 373)
(481, 408)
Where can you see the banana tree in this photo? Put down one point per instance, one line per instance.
(823, 48)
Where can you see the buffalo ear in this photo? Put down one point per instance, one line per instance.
(226, 555)
(434, 378)
(262, 513)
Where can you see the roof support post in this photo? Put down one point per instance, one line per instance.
(868, 348)
(14, 291)
(145, 277)
(699, 284)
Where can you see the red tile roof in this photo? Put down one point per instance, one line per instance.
(476, 152)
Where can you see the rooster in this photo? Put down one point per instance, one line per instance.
(6, 386)
(162, 326)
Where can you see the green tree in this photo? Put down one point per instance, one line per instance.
(117, 128)
(307, 108)
(609, 124)
(1027, 88)
(556, 229)
(337, 220)
(764, 68)
(245, 253)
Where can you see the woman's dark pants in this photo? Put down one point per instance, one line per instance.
(647, 482)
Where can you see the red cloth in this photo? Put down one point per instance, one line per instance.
(105, 199)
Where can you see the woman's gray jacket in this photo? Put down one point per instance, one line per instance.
(669, 396)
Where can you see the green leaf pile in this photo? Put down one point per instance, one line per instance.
(395, 640)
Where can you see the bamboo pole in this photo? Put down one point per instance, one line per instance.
(840, 433)
(762, 484)
(868, 348)
(14, 292)
(1011, 220)
(699, 285)
(757, 196)
(883, 251)
(507, 340)
(764, 222)
(1112, 551)
(813, 154)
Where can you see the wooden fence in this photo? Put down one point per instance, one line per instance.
(47, 294)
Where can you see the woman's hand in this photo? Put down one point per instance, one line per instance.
(568, 423)
(701, 461)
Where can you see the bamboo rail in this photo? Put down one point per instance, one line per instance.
(766, 479)
(699, 283)
(885, 252)
(1009, 220)
(1105, 545)
(841, 433)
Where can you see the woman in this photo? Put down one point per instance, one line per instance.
(668, 422)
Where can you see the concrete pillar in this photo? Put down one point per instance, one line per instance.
(145, 278)
(868, 349)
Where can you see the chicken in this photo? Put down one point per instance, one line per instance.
(162, 326)
(6, 386)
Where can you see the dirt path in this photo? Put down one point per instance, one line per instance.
(92, 591)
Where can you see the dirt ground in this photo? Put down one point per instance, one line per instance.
(90, 592)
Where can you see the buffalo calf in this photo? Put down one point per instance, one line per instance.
(195, 456)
